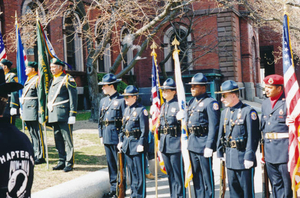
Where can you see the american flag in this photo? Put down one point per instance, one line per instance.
(156, 104)
(2, 48)
(182, 107)
(293, 104)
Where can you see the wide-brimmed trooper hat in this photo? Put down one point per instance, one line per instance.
(229, 86)
(169, 84)
(109, 79)
(131, 91)
(6, 88)
(199, 79)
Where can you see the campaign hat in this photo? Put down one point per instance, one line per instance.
(169, 84)
(229, 86)
(109, 79)
(199, 79)
(130, 90)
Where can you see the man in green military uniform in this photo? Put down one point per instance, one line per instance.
(62, 106)
(12, 105)
(29, 103)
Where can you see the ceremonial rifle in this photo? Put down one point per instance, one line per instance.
(121, 186)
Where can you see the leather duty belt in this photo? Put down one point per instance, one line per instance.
(173, 131)
(275, 136)
(198, 130)
(135, 133)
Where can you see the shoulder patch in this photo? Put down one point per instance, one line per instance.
(216, 106)
(145, 112)
(71, 79)
(253, 115)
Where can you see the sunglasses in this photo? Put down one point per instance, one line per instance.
(223, 96)
(126, 97)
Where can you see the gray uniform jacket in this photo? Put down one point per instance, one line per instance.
(30, 100)
(65, 104)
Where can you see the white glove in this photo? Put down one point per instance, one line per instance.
(262, 160)
(119, 146)
(153, 108)
(13, 111)
(72, 120)
(289, 120)
(180, 115)
(140, 148)
(208, 152)
(248, 164)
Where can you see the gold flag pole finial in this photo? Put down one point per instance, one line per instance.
(153, 47)
(16, 17)
(175, 42)
(37, 14)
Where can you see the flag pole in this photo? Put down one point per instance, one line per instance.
(182, 106)
(153, 47)
(44, 124)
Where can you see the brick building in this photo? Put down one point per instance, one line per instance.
(235, 55)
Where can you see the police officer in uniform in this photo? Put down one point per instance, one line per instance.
(17, 158)
(110, 122)
(276, 136)
(12, 105)
(30, 112)
(134, 140)
(62, 108)
(170, 143)
(203, 126)
(238, 139)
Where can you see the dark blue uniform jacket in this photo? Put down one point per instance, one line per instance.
(135, 118)
(169, 144)
(111, 109)
(241, 122)
(273, 120)
(203, 111)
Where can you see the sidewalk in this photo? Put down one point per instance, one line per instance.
(163, 186)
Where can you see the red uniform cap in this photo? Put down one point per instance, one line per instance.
(274, 79)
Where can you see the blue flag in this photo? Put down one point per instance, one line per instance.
(20, 61)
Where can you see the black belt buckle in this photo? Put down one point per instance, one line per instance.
(233, 144)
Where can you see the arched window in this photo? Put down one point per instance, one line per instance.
(29, 7)
(185, 55)
(104, 60)
(73, 41)
(129, 56)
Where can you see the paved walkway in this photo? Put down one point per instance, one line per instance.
(163, 187)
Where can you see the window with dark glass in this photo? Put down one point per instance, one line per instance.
(70, 43)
